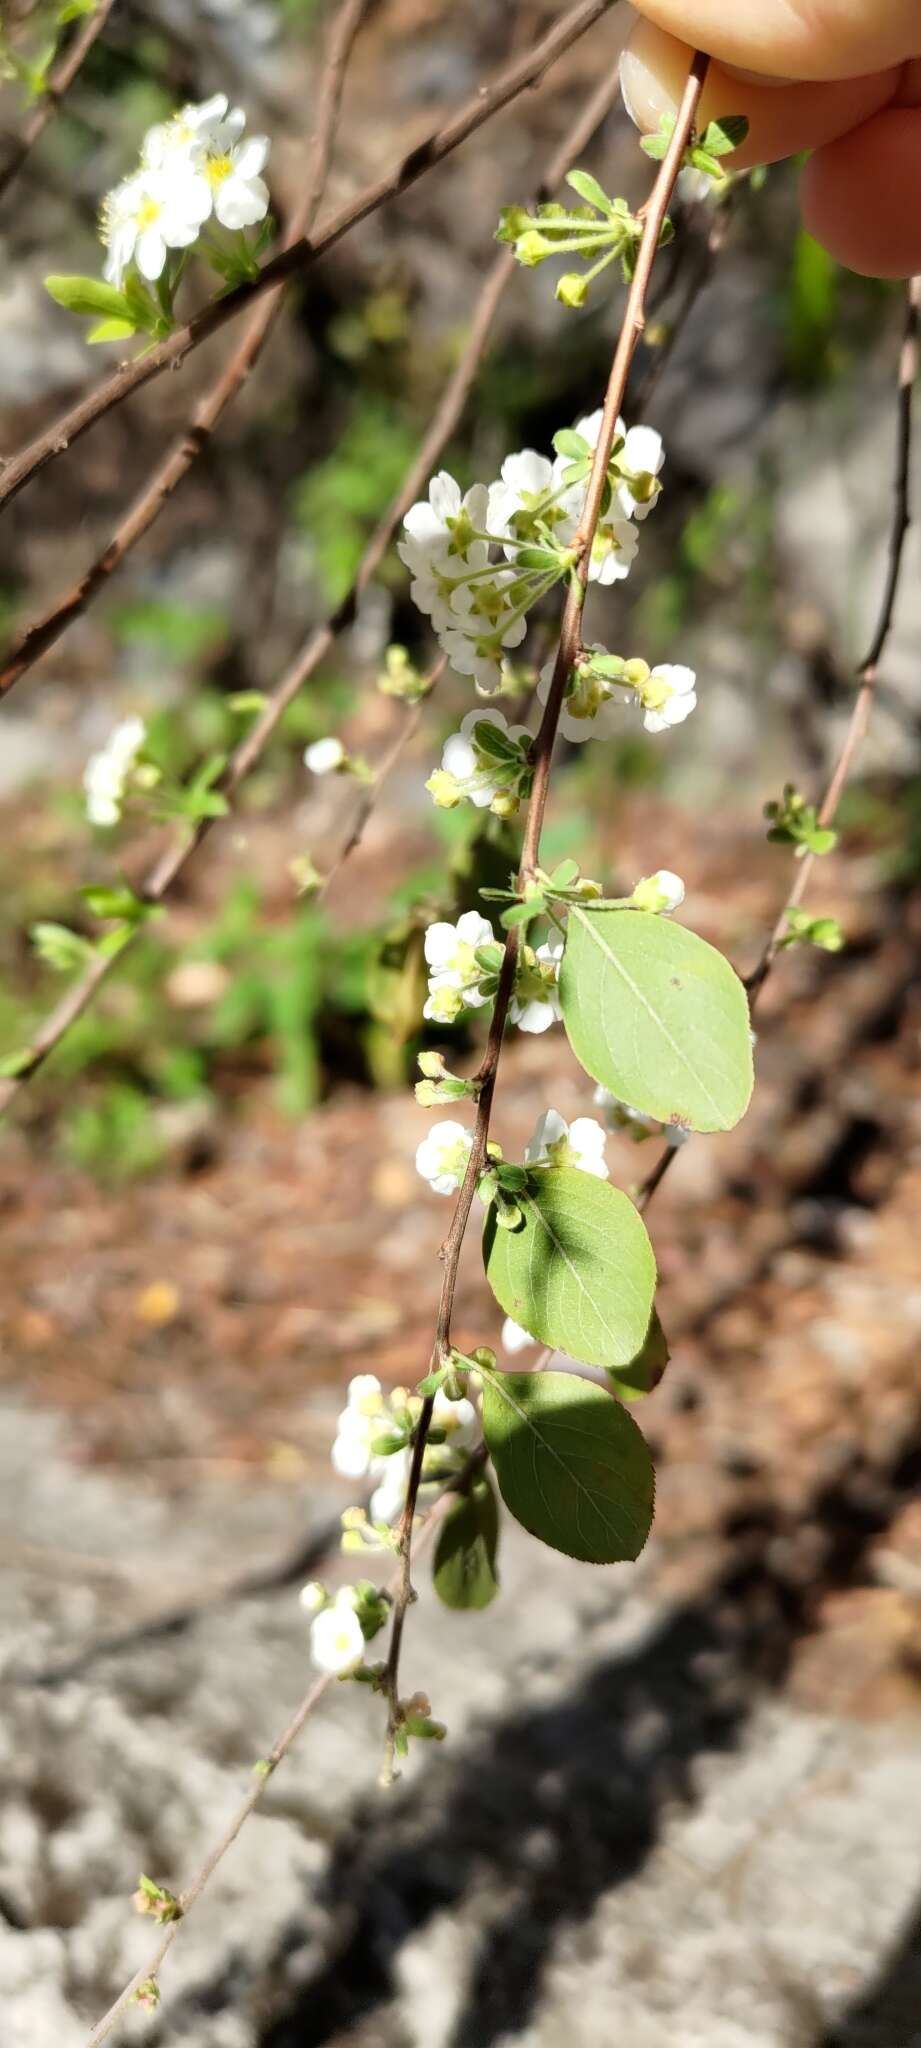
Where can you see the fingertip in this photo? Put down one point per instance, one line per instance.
(783, 119)
(859, 196)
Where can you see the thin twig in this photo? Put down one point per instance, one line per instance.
(191, 443)
(370, 795)
(188, 1898)
(542, 753)
(867, 674)
(60, 81)
(444, 421)
(131, 376)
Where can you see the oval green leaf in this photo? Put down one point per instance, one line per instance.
(658, 1017)
(572, 1465)
(464, 1565)
(578, 1272)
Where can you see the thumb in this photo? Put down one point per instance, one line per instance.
(814, 39)
(782, 120)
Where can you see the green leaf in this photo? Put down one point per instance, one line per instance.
(90, 295)
(464, 1565)
(657, 1016)
(59, 947)
(588, 188)
(115, 902)
(578, 1273)
(523, 913)
(644, 1372)
(112, 330)
(568, 442)
(571, 1464)
(724, 135)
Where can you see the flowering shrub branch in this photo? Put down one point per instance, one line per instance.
(292, 262)
(566, 658)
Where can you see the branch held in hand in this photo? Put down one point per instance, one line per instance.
(569, 644)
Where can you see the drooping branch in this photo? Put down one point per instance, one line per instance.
(60, 81)
(318, 644)
(542, 754)
(190, 444)
(292, 262)
(867, 674)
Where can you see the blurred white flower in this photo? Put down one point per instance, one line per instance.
(324, 757)
(105, 777)
(662, 892)
(442, 1157)
(337, 1643)
(455, 973)
(668, 696)
(514, 1338)
(557, 1143)
(535, 1004)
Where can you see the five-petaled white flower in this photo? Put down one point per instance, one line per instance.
(337, 1643)
(105, 777)
(557, 1143)
(535, 1004)
(668, 696)
(145, 217)
(592, 706)
(455, 973)
(442, 1157)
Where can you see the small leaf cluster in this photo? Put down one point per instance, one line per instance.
(117, 313)
(803, 930)
(794, 822)
(705, 153)
(602, 228)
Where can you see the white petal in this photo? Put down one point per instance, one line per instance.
(240, 203)
(151, 253)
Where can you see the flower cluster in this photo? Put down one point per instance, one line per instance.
(602, 683)
(107, 773)
(193, 167)
(464, 960)
(480, 560)
(374, 1438)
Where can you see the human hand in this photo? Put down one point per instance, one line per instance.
(842, 79)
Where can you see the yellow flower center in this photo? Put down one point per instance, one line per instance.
(148, 211)
(217, 169)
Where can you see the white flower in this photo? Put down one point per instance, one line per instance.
(362, 1419)
(337, 1643)
(527, 484)
(455, 976)
(105, 776)
(195, 129)
(312, 1596)
(202, 149)
(514, 1338)
(467, 773)
(556, 1143)
(323, 757)
(365, 1394)
(535, 1004)
(144, 217)
(442, 528)
(481, 656)
(389, 1496)
(668, 696)
(621, 1117)
(661, 892)
(592, 706)
(458, 1419)
(240, 194)
(642, 455)
(442, 1157)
